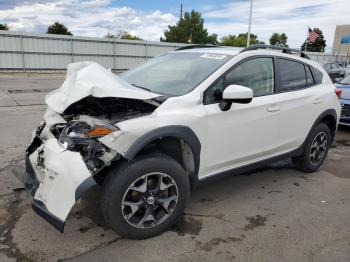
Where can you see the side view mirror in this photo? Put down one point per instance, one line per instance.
(235, 94)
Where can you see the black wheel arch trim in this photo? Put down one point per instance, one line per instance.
(177, 131)
(328, 112)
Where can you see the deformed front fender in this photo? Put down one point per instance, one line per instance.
(128, 144)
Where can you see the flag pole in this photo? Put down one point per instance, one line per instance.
(307, 38)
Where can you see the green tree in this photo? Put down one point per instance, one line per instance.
(4, 27)
(240, 40)
(317, 46)
(279, 39)
(213, 39)
(189, 29)
(58, 29)
(123, 35)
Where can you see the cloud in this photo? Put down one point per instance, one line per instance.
(7, 4)
(269, 16)
(85, 17)
(94, 17)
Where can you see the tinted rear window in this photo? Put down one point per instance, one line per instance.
(292, 75)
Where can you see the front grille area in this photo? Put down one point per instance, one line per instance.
(345, 110)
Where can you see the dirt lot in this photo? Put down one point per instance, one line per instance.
(273, 214)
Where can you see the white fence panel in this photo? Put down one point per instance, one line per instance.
(30, 52)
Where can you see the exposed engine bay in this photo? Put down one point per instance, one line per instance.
(91, 118)
(111, 108)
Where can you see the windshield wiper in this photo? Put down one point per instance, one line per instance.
(144, 88)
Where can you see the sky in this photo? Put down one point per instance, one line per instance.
(148, 18)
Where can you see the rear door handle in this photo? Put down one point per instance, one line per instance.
(273, 108)
(317, 100)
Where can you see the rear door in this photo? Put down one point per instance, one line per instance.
(299, 99)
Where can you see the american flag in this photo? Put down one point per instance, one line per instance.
(312, 36)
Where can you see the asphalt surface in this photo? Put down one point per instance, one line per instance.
(272, 214)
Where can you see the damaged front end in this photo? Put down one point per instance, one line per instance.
(67, 154)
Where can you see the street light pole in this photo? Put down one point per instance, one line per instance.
(250, 22)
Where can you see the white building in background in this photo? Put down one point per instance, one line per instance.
(341, 42)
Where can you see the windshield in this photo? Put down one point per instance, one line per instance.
(175, 74)
(345, 81)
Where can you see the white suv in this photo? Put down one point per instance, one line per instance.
(149, 136)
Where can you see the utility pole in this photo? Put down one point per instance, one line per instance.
(250, 22)
(181, 12)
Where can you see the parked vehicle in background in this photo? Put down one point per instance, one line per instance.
(347, 70)
(150, 136)
(344, 85)
(335, 71)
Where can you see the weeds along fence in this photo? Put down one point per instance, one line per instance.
(46, 52)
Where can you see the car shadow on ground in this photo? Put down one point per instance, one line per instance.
(223, 186)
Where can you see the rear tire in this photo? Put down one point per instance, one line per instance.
(146, 196)
(315, 150)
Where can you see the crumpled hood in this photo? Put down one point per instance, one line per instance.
(91, 79)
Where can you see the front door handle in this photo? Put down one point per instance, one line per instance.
(317, 100)
(273, 108)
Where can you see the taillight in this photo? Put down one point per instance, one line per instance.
(338, 92)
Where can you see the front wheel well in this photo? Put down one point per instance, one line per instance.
(177, 149)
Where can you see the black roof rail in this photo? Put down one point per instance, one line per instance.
(285, 50)
(194, 46)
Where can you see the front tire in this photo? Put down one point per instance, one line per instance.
(144, 197)
(315, 150)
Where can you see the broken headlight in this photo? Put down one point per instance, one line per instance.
(83, 137)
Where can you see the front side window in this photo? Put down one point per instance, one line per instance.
(256, 74)
(176, 73)
(292, 75)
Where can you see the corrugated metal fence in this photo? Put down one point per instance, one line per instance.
(28, 51)
(323, 58)
(44, 52)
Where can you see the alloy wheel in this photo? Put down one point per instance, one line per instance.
(149, 200)
(318, 148)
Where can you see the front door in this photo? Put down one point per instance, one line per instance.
(246, 132)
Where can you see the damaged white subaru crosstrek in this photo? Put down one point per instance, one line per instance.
(149, 136)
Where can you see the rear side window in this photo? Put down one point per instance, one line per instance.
(309, 78)
(292, 75)
(318, 76)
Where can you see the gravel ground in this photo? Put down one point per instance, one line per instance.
(273, 214)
